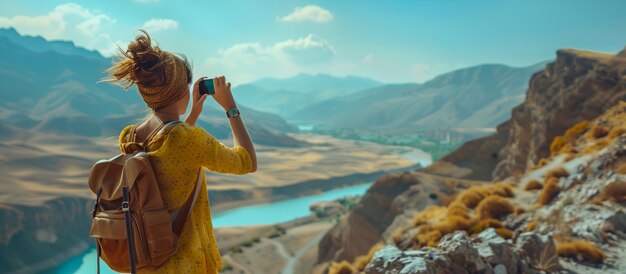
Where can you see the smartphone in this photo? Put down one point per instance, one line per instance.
(206, 87)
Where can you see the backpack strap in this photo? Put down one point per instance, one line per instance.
(131, 137)
(181, 214)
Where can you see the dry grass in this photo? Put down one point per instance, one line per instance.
(570, 156)
(472, 196)
(484, 224)
(580, 250)
(557, 173)
(557, 144)
(361, 261)
(550, 190)
(531, 225)
(457, 208)
(451, 224)
(343, 267)
(504, 232)
(616, 132)
(519, 210)
(494, 207)
(398, 236)
(427, 237)
(567, 141)
(599, 131)
(427, 215)
(615, 191)
(595, 147)
(533, 185)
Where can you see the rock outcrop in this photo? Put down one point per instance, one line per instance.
(577, 86)
(458, 253)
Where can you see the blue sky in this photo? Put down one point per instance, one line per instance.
(392, 41)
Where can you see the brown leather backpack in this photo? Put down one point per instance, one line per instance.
(128, 202)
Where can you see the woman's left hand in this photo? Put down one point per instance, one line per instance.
(197, 100)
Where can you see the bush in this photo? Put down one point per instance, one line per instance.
(494, 207)
(343, 267)
(557, 173)
(531, 226)
(457, 208)
(471, 197)
(427, 237)
(580, 250)
(599, 131)
(361, 261)
(550, 190)
(576, 131)
(533, 185)
(484, 224)
(504, 233)
(616, 132)
(451, 224)
(557, 144)
(615, 191)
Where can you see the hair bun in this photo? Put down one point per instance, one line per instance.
(148, 68)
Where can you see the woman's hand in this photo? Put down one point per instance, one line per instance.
(197, 102)
(222, 95)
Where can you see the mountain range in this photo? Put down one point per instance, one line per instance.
(52, 86)
(475, 97)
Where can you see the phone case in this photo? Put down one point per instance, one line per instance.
(206, 87)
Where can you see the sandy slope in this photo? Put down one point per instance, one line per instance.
(45, 166)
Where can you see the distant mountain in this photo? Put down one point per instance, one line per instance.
(475, 97)
(39, 44)
(288, 95)
(52, 87)
(318, 85)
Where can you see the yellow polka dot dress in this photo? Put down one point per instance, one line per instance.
(176, 158)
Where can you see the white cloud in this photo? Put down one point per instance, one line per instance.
(155, 25)
(86, 28)
(248, 61)
(311, 13)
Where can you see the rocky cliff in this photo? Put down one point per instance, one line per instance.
(577, 86)
(35, 238)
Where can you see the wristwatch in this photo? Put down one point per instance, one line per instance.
(232, 112)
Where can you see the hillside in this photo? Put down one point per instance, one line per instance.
(288, 95)
(475, 97)
(577, 82)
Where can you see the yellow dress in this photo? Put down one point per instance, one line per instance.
(176, 159)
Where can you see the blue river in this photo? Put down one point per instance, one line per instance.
(276, 212)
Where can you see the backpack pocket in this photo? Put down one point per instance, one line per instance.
(109, 229)
(159, 234)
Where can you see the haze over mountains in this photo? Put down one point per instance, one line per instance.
(52, 87)
(475, 97)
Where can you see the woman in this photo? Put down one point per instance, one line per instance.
(163, 80)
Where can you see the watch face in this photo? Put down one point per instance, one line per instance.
(233, 112)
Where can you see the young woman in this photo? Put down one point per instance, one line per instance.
(163, 80)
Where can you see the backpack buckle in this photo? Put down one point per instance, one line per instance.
(125, 206)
